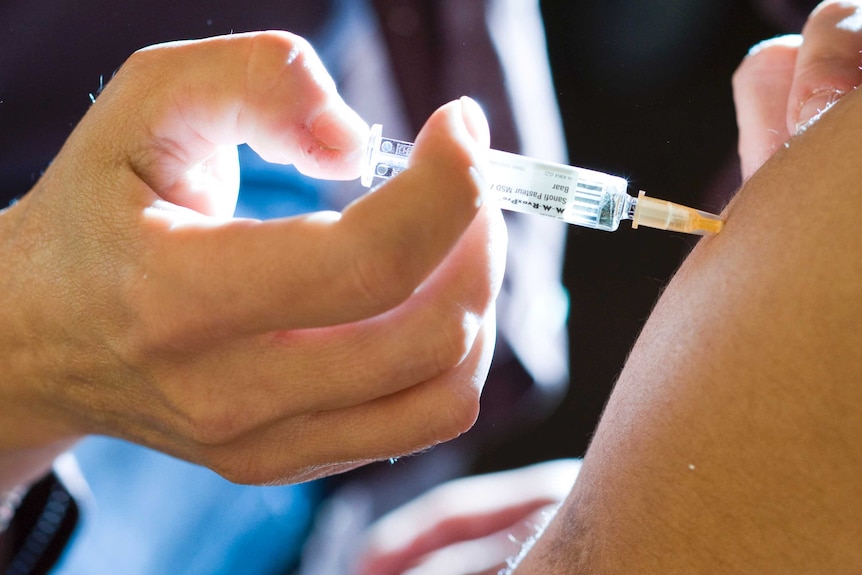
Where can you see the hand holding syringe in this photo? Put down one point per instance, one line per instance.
(574, 195)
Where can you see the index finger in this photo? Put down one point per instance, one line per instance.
(171, 107)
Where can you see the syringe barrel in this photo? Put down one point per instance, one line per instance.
(574, 195)
(385, 158)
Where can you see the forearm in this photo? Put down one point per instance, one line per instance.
(730, 443)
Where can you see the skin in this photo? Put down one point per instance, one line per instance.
(133, 305)
(730, 444)
(470, 525)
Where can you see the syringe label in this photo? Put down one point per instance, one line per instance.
(528, 200)
(387, 171)
(396, 147)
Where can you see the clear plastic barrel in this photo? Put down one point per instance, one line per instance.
(574, 195)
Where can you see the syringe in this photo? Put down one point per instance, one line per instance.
(574, 195)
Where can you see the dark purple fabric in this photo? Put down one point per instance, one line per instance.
(55, 53)
(446, 57)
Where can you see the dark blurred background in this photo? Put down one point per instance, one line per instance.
(645, 92)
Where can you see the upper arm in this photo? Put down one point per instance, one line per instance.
(732, 440)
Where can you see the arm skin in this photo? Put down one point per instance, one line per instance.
(731, 443)
(133, 305)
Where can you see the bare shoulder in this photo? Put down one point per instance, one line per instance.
(730, 443)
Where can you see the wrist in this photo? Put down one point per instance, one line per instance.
(21, 467)
(31, 436)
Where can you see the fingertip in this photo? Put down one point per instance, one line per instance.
(339, 128)
(335, 143)
(446, 154)
(784, 42)
(769, 60)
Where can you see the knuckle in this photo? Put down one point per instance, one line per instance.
(150, 346)
(283, 46)
(212, 424)
(247, 465)
(291, 53)
(138, 58)
(460, 413)
(464, 390)
(456, 333)
(144, 56)
(241, 469)
(380, 280)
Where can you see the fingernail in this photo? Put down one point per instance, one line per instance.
(340, 128)
(815, 106)
(481, 182)
(788, 41)
(477, 127)
(474, 119)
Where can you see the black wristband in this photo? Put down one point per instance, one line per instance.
(41, 528)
